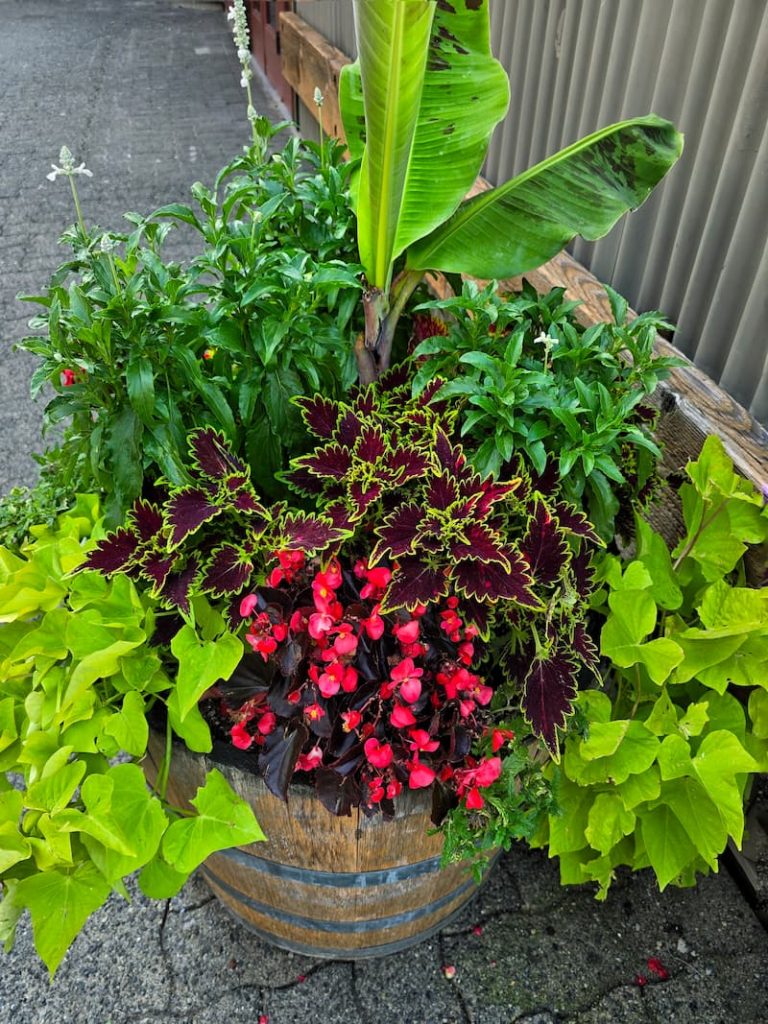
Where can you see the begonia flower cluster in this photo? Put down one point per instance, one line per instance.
(368, 704)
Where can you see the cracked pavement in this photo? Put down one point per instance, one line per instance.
(146, 92)
(525, 950)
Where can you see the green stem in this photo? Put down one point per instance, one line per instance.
(702, 527)
(76, 199)
(638, 697)
(165, 767)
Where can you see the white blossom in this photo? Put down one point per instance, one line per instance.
(318, 97)
(67, 168)
(546, 340)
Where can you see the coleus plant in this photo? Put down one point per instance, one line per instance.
(396, 492)
(426, 92)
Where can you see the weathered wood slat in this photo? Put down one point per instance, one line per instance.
(333, 887)
(310, 62)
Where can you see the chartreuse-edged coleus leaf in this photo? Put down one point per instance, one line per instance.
(211, 536)
(582, 190)
(388, 460)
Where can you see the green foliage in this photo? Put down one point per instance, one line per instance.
(427, 92)
(572, 404)
(582, 190)
(514, 807)
(79, 679)
(24, 507)
(411, 102)
(657, 774)
(139, 349)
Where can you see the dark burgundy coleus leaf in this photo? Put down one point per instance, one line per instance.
(228, 571)
(304, 531)
(398, 532)
(187, 510)
(147, 519)
(115, 553)
(396, 378)
(583, 573)
(212, 456)
(155, 567)
(362, 496)
(406, 464)
(301, 480)
(571, 519)
(585, 646)
(339, 515)
(365, 401)
(236, 481)
(491, 493)
(442, 492)
(430, 390)
(370, 446)
(478, 613)
(321, 415)
(246, 501)
(349, 429)
(482, 545)
(175, 592)
(548, 696)
(543, 546)
(449, 457)
(330, 462)
(414, 583)
(546, 482)
(490, 581)
(278, 758)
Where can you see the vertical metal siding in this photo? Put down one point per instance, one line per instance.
(334, 18)
(698, 248)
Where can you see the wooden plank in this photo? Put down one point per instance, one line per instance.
(692, 405)
(294, 908)
(310, 62)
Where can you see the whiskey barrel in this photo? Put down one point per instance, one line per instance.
(326, 886)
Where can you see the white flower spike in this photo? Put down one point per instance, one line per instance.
(67, 168)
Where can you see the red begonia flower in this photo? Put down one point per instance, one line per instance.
(267, 723)
(240, 736)
(378, 754)
(419, 776)
(474, 799)
(402, 716)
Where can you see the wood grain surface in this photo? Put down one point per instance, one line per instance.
(340, 887)
(310, 62)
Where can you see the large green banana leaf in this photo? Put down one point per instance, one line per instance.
(582, 190)
(419, 106)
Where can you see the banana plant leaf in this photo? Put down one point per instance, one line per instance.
(582, 190)
(418, 107)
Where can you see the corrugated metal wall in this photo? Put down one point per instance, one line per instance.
(698, 248)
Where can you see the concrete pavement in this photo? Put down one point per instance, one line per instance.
(146, 92)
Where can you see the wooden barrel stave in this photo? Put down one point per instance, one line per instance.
(334, 887)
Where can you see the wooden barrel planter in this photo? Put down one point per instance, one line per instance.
(340, 888)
